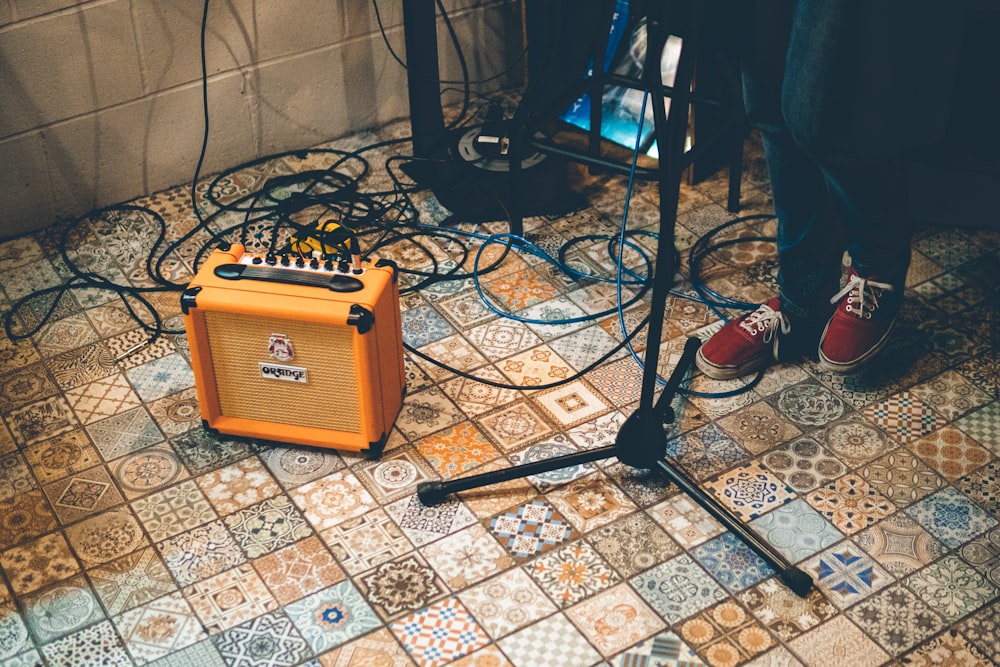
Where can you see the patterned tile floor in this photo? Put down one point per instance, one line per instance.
(129, 536)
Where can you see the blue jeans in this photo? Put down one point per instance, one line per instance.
(829, 198)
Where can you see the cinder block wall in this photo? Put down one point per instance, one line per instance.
(100, 100)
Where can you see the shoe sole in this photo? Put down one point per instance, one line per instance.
(846, 367)
(730, 372)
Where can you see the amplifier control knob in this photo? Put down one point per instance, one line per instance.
(284, 260)
(313, 263)
(257, 260)
(271, 259)
(299, 262)
(328, 265)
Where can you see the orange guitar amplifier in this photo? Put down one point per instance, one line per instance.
(296, 349)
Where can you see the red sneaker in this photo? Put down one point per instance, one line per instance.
(746, 344)
(860, 326)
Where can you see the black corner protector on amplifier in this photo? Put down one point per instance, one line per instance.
(224, 246)
(375, 449)
(361, 318)
(188, 299)
(391, 264)
(204, 425)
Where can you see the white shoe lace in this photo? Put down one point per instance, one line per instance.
(765, 320)
(862, 296)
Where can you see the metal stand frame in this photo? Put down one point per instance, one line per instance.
(641, 442)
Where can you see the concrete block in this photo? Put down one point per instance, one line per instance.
(239, 34)
(67, 64)
(24, 188)
(146, 146)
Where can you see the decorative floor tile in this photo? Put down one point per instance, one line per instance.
(591, 502)
(896, 619)
(901, 476)
(803, 464)
(514, 426)
(422, 524)
(200, 553)
(500, 339)
(951, 588)
(724, 634)
(161, 377)
(367, 541)
(950, 394)
(571, 573)
(95, 645)
(61, 609)
(506, 603)
(850, 503)
(948, 648)
(750, 490)
(238, 485)
(633, 544)
(107, 536)
(83, 494)
(532, 529)
(266, 526)
(159, 628)
(783, 612)
(62, 456)
(426, 412)
(476, 396)
(982, 425)
(295, 466)
(201, 451)
(402, 585)
(440, 633)
(685, 521)
(571, 404)
(838, 643)
(983, 487)
(25, 386)
(983, 553)
(423, 325)
(173, 510)
(678, 588)
(466, 557)
(951, 452)
(102, 398)
(534, 646)
(759, 427)
(904, 417)
(131, 580)
(298, 570)
(177, 413)
(796, 530)
(15, 642)
(269, 640)
(846, 574)
(951, 517)
(900, 544)
(395, 474)
(620, 382)
(41, 420)
(229, 598)
(333, 499)
(457, 449)
(731, 562)
(706, 452)
(981, 629)
(856, 441)
(615, 619)
(147, 470)
(663, 650)
(560, 445)
(124, 433)
(810, 405)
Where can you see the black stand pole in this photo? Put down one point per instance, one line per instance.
(641, 442)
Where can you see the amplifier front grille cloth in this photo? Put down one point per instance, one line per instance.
(329, 399)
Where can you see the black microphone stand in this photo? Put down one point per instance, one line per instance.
(642, 442)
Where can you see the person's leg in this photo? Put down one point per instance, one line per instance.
(809, 240)
(866, 191)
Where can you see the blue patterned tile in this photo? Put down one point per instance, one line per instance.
(678, 588)
(161, 377)
(332, 616)
(846, 574)
(664, 650)
(732, 563)
(951, 517)
(423, 325)
(796, 530)
(706, 452)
